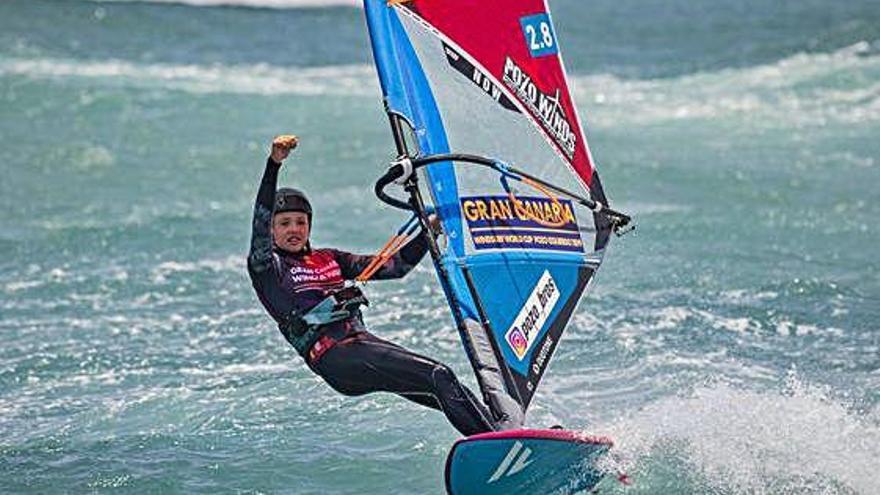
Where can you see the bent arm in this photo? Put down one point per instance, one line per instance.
(396, 267)
(261, 265)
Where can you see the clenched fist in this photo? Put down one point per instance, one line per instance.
(282, 146)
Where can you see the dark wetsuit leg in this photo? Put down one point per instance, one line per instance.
(366, 363)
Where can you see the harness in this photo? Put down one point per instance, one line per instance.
(304, 331)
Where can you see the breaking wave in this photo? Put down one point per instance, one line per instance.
(259, 79)
(274, 4)
(726, 439)
(812, 89)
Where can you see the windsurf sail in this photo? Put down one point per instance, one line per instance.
(480, 108)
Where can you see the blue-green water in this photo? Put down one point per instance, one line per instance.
(730, 344)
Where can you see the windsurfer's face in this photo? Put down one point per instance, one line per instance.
(290, 230)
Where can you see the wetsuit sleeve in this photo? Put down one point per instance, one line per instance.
(396, 267)
(260, 255)
(261, 264)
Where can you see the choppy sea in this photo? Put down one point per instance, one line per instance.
(730, 344)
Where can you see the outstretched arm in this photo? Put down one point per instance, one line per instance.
(261, 266)
(260, 256)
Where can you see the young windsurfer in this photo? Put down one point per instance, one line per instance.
(303, 289)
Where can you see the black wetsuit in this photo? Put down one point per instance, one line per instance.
(348, 357)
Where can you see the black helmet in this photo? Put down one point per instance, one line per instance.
(290, 199)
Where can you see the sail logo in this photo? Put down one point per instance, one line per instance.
(501, 209)
(534, 223)
(481, 79)
(523, 333)
(516, 460)
(547, 108)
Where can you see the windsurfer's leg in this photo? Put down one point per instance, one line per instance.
(460, 405)
(369, 364)
(427, 400)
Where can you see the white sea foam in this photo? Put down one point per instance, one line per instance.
(797, 440)
(743, 296)
(236, 369)
(672, 318)
(260, 79)
(232, 263)
(23, 285)
(275, 4)
(805, 90)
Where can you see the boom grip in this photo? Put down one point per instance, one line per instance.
(394, 172)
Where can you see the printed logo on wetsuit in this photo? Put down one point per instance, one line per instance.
(314, 272)
(302, 274)
(532, 317)
(546, 108)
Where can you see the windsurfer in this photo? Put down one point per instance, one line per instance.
(303, 289)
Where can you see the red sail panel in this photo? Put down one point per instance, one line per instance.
(516, 44)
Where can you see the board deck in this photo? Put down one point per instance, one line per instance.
(525, 462)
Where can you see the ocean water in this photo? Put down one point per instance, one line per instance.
(729, 346)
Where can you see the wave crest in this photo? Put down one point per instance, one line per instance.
(273, 4)
(805, 90)
(260, 79)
